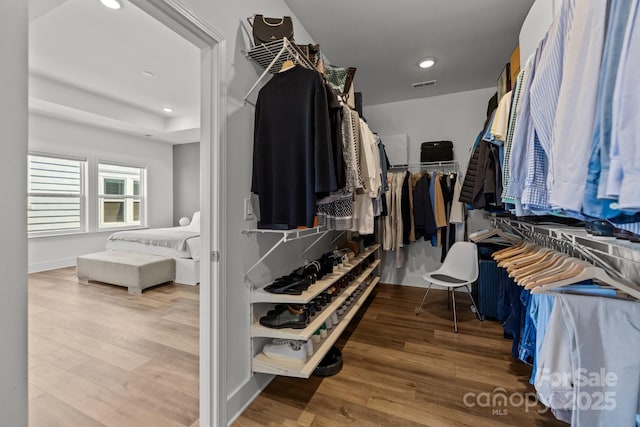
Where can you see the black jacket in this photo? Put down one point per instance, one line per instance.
(293, 161)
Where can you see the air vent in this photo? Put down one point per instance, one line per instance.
(424, 84)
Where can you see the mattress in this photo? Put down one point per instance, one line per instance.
(125, 240)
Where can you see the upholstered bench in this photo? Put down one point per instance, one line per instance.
(133, 270)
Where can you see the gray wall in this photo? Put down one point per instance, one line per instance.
(186, 180)
(13, 215)
(457, 117)
(241, 250)
(535, 26)
(57, 136)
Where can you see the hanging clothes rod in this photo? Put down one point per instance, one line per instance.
(450, 164)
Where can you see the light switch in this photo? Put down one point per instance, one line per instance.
(248, 209)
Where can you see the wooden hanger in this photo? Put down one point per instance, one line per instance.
(510, 248)
(555, 266)
(590, 273)
(287, 65)
(529, 254)
(545, 262)
(479, 236)
(505, 256)
(574, 268)
(532, 258)
(514, 250)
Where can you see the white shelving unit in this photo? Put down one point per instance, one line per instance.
(287, 236)
(370, 275)
(257, 330)
(260, 295)
(271, 56)
(265, 365)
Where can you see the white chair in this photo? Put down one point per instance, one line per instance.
(460, 268)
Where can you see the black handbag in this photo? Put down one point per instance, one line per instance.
(436, 151)
(266, 30)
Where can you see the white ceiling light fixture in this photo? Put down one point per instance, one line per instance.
(426, 63)
(167, 109)
(147, 73)
(111, 4)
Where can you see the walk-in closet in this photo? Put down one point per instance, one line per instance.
(414, 213)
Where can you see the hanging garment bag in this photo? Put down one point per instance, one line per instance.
(436, 151)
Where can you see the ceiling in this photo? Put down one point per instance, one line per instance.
(86, 64)
(472, 40)
(87, 61)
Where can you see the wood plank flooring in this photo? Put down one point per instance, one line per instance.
(99, 356)
(406, 370)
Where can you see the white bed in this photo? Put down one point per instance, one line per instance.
(181, 243)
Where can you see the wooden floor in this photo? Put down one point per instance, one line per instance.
(99, 356)
(406, 370)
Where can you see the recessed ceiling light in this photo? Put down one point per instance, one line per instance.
(111, 4)
(167, 109)
(426, 62)
(147, 74)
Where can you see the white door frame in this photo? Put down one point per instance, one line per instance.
(213, 134)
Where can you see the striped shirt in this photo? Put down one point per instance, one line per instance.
(513, 114)
(545, 87)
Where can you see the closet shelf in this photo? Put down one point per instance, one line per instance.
(286, 236)
(620, 258)
(257, 330)
(293, 234)
(260, 295)
(263, 364)
(607, 245)
(270, 56)
(449, 165)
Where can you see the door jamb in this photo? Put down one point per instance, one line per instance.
(213, 116)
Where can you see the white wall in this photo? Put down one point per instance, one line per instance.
(225, 17)
(457, 117)
(536, 25)
(55, 136)
(13, 251)
(186, 180)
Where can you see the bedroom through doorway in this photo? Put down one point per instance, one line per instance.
(126, 135)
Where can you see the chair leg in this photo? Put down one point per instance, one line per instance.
(455, 317)
(419, 309)
(475, 306)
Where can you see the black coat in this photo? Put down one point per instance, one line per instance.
(293, 161)
(425, 223)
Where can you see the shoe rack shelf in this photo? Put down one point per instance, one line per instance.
(257, 330)
(260, 295)
(265, 365)
(287, 236)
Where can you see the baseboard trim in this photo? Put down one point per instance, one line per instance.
(52, 265)
(259, 381)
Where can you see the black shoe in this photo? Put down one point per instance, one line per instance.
(289, 318)
(601, 228)
(288, 286)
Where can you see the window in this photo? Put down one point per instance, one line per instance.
(55, 195)
(120, 195)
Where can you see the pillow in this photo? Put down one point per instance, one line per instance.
(195, 220)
